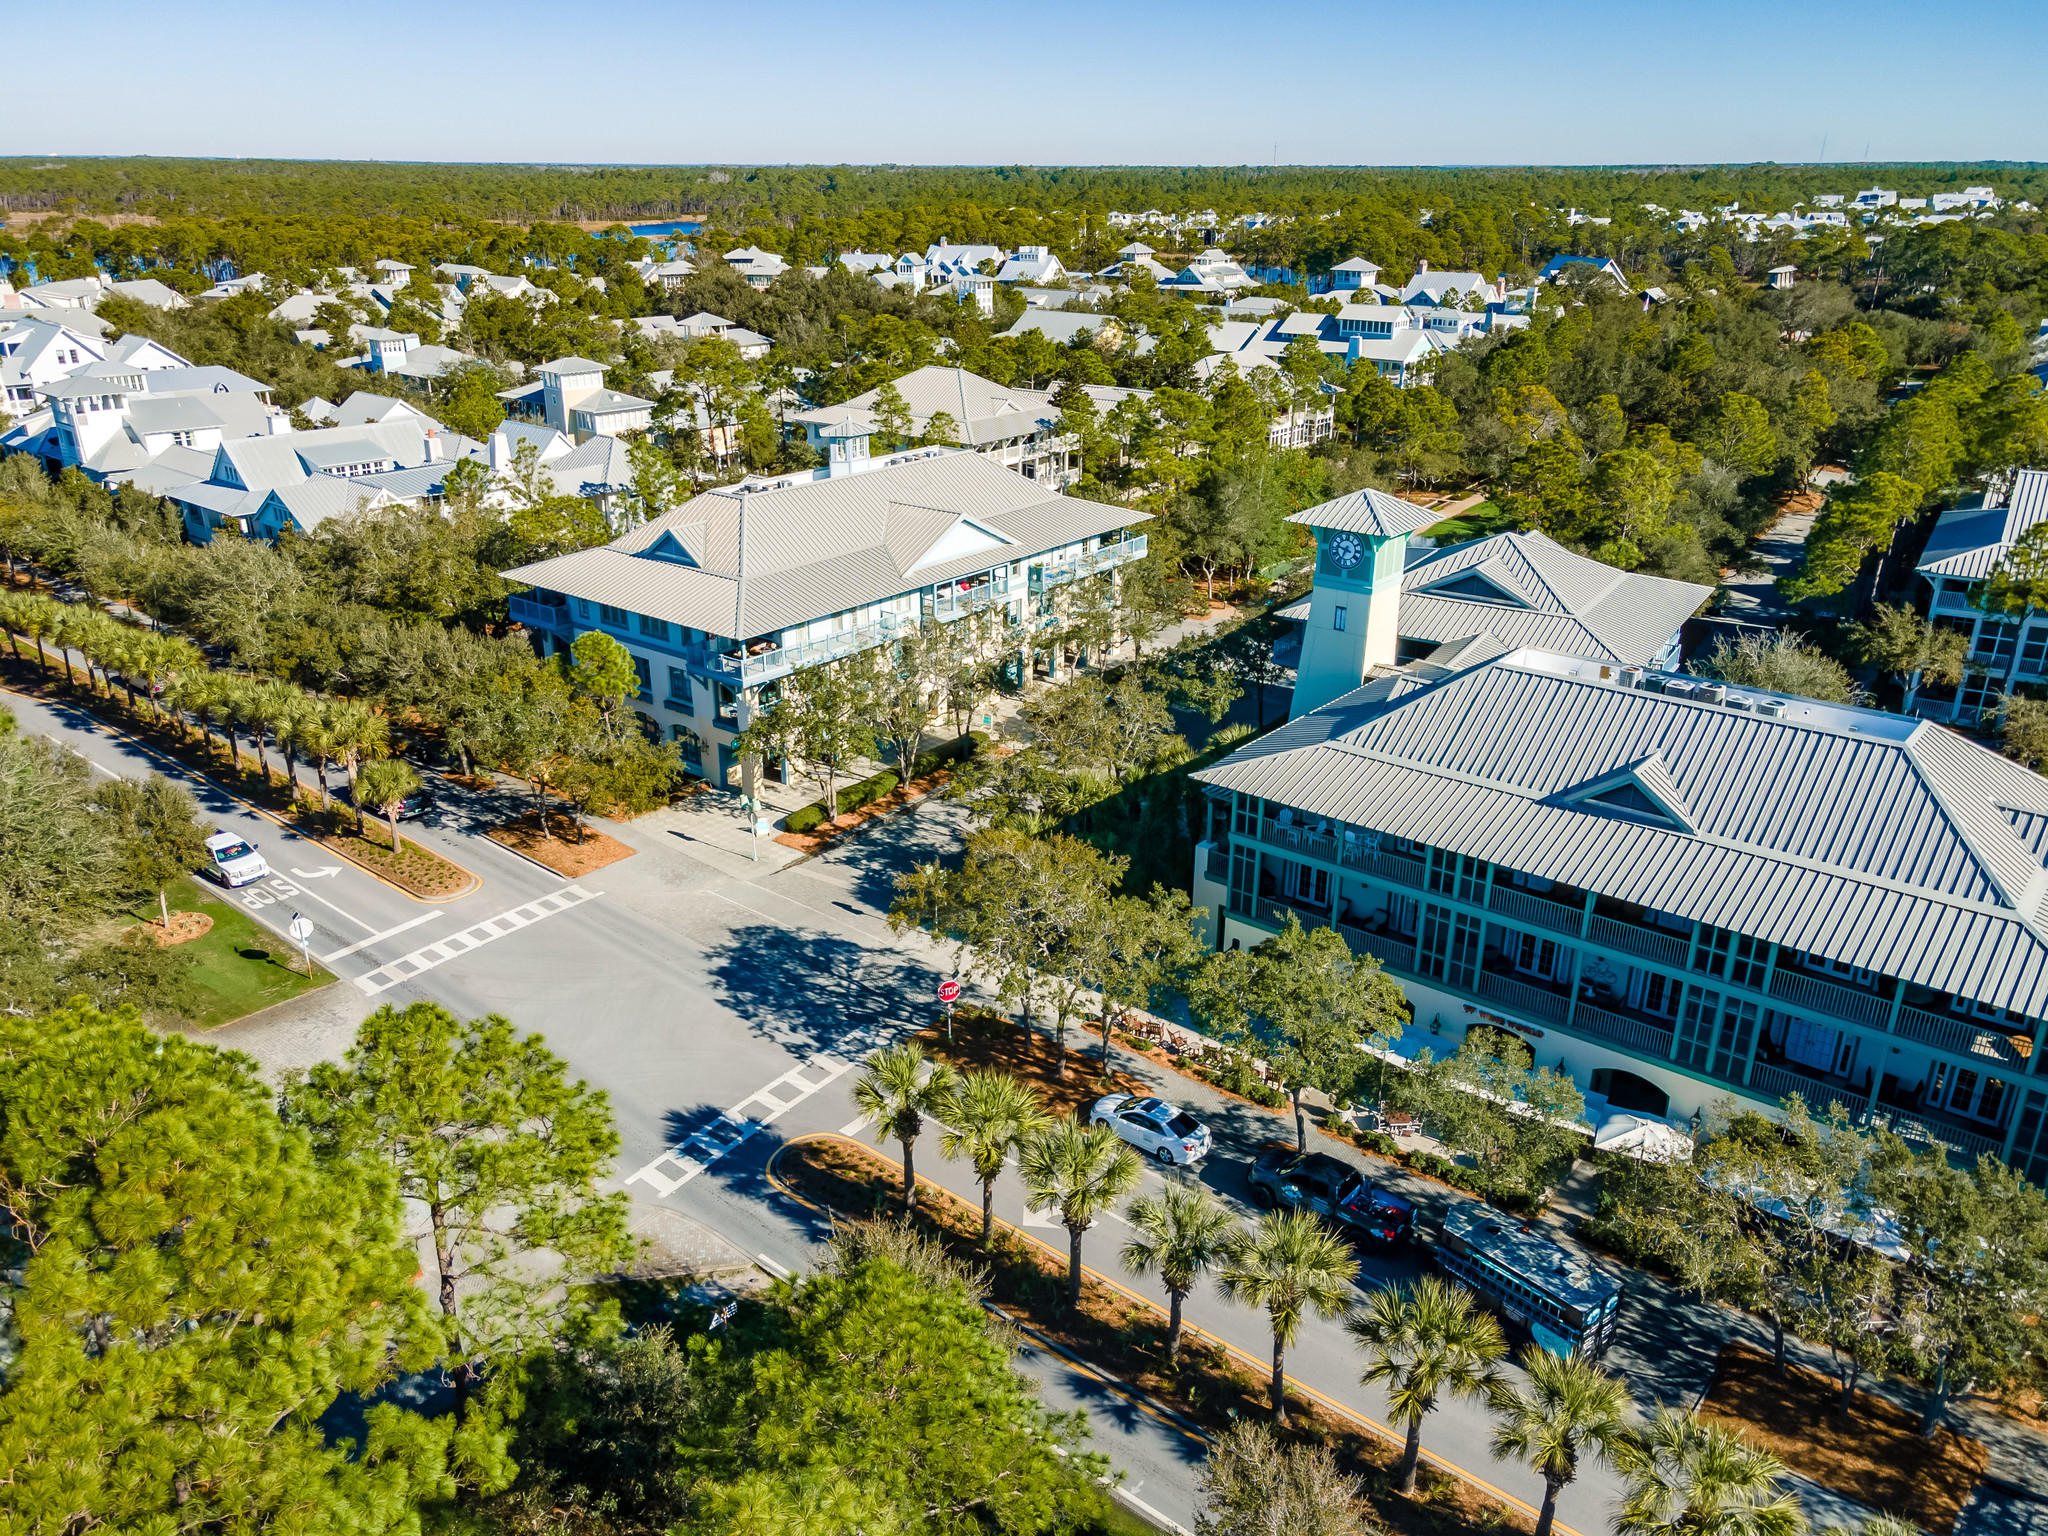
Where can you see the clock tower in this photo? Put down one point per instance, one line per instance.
(1354, 611)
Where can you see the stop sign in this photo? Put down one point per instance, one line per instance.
(948, 991)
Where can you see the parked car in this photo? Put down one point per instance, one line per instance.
(420, 802)
(234, 862)
(1153, 1126)
(1332, 1188)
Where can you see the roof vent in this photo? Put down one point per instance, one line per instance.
(1771, 708)
(1711, 693)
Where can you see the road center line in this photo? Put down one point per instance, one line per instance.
(377, 938)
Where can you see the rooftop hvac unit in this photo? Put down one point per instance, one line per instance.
(1741, 701)
(1712, 693)
(1678, 688)
(1774, 708)
(1631, 677)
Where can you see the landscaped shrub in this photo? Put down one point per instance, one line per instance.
(949, 752)
(804, 819)
(854, 796)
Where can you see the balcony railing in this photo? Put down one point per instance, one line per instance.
(1775, 1083)
(785, 659)
(1925, 1131)
(529, 610)
(1817, 996)
(1107, 558)
(948, 606)
(1299, 839)
(1960, 1038)
(1525, 908)
(1219, 863)
(1392, 951)
(1633, 939)
(1618, 1028)
(1413, 873)
(1520, 997)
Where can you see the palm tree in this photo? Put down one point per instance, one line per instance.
(384, 784)
(991, 1115)
(61, 624)
(316, 738)
(287, 713)
(1569, 1407)
(1081, 1172)
(1426, 1341)
(35, 617)
(1290, 1264)
(357, 733)
(1182, 1236)
(1681, 1477)
(897, 1091)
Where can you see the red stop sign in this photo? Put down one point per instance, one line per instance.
(948, 991)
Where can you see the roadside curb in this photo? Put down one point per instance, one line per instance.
(249, 805)
(1259, 1368)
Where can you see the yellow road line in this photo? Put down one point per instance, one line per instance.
(1262, 1369)
(249, 805)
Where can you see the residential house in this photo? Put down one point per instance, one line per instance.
(1032, 264)
(1016, 428)
(1580, 267)
(1451, 289)
(2007, 651)
(150, 291)
(568, 394)
(758, 267)
(1064, 326)
(1781, 277)
(57, 299)
(1356, 273)
(866, 263)
(1212, 274)
(1664, 885)
(40, 349)
(752, 345)
(724, 596)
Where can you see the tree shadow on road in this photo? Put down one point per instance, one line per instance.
(810, 991)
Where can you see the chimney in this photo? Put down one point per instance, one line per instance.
(1421, 267)
(433, 447)
(280, 423)
(501, 452)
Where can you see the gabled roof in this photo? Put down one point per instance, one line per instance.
(983, 411)
(1526, 589)
(1970, 542)
(1875, 840)
(1372, 513)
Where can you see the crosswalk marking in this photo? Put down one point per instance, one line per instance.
(763, 1107)
(441, 951)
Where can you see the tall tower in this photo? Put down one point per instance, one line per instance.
(1354, 611)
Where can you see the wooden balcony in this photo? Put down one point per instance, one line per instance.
(1632, 1034)
(1978, 1043)
(1665, 948)
(1537, 911)
(1818, 996)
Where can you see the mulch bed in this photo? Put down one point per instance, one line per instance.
(571, 849)
(1209, 1386)
(826, 833)
(983, 1041)
(185, 927)
(415, 869)
(1875, 1455)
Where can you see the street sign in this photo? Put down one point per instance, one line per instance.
(300, 929)
(949, 991)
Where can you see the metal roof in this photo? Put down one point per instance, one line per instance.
(1872, 839)
(772, 557)
(1526, 589)
(1370, 512)
(1970, 542)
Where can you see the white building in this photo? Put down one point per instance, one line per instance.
(568, 394)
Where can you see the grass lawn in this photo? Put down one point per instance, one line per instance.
(1472, 523)
(239, 966)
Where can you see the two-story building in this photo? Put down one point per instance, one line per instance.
(1017, 428)
(722, 597)
(1673, 889)
(569, 395)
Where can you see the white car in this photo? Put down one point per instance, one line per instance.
(1154, 1126)
(234, 861)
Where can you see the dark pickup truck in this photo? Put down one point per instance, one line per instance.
(1333, 1189)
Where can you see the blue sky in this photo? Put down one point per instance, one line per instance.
(1106, 82)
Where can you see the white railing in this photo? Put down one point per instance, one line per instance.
(784, 659)
(1106, 558)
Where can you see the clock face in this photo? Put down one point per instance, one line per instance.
(1345, 550)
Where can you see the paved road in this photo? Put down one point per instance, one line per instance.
(723, 1013)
